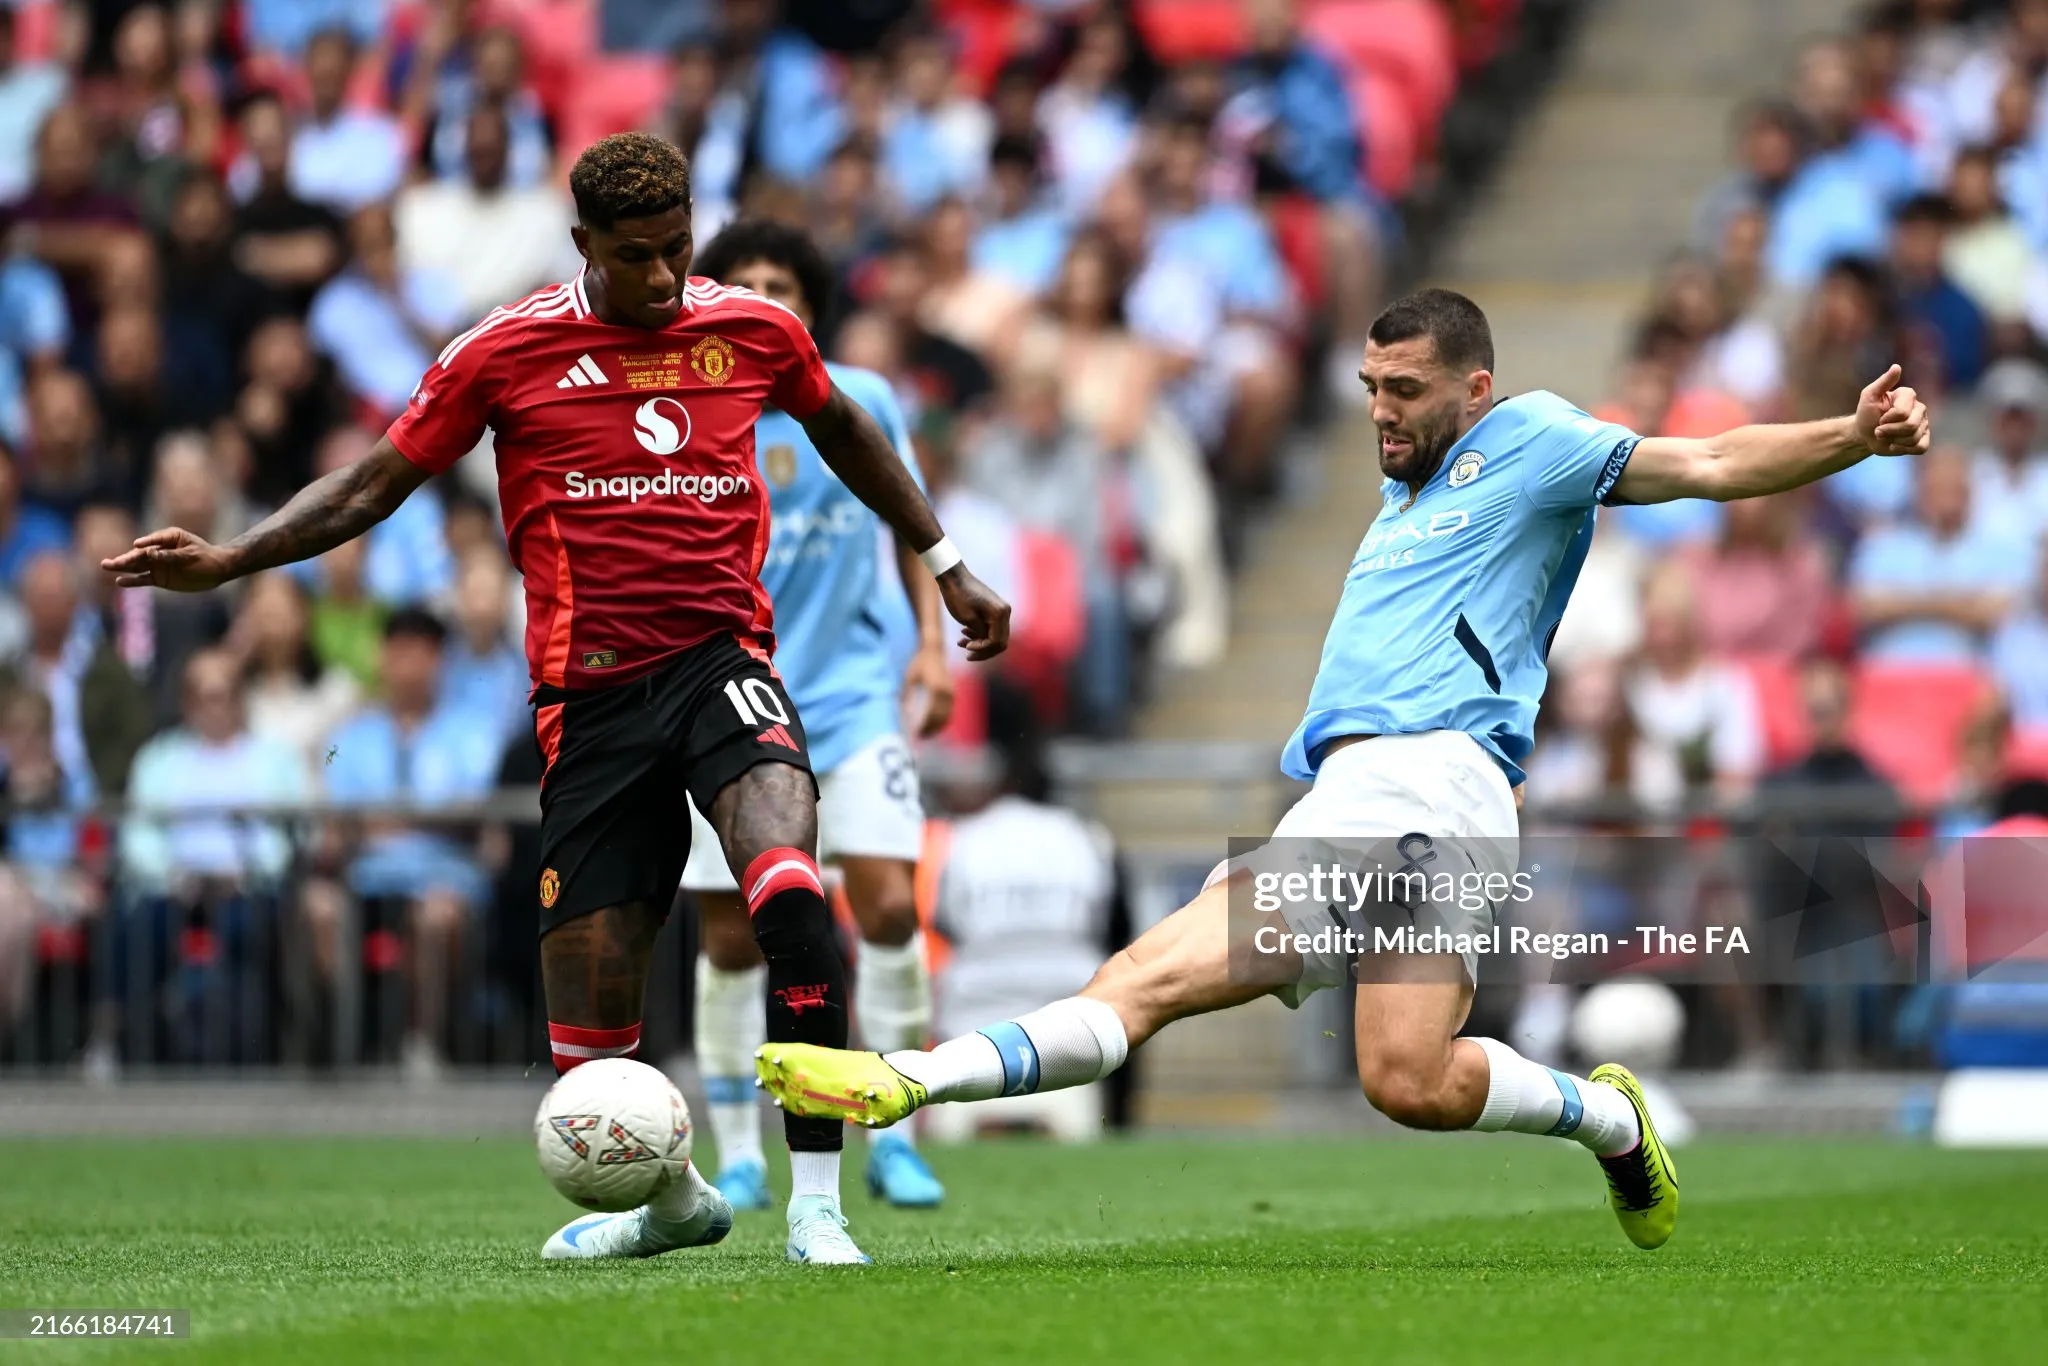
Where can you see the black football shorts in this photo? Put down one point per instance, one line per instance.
(614, 825)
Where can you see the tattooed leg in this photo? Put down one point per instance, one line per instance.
(594, 972)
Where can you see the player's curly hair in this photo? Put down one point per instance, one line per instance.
(629, 175)
(765, 239)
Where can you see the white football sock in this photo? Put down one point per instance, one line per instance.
(892, 995)
(1068, 1043)
(1528, 1098)
(732, 1021)
(679, 1201)
(813, 1174)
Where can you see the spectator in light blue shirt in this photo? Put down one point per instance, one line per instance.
(1296, 95)
(1828, 92)
(35, 327)
(411, 750)
(26, 529)
(2019, 655)
(494, 74)
(935, 143)
(343, 158)
(27, 94)
(211, 761)
(788, 84)
(1932, 590)
(485, 675)
(1229, 242)
(1025, 239)
(383, 326)
(1828, 211)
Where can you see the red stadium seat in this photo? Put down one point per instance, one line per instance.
(986, 33)
(1908, 721)
(1190, 30)
(560, 38)
(1297, 226)
(1781, 710)
(1483, 26)
(2026, 753)
(35, 31)
(1409, 40)
(1393, 143)
(614, 95)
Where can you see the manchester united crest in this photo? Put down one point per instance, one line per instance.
(779, 464)
(711, 360)
(550, 888)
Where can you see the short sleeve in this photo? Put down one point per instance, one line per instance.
(801, 384)
(1579, 460)
(448, 410)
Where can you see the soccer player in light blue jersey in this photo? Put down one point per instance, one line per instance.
(836, 658)
(1420, 714)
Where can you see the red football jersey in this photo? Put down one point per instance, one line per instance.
(632, 503)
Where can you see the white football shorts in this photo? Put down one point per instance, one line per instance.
(1441, 784)
(868, 807)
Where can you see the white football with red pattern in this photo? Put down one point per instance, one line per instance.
(612, 1134)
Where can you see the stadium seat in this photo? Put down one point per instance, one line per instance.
(1908, 721)
(1052, 621)
(1410, 40)
(1298, 231)
(985, 34)
(1191, 30)
(967, 727)
(1483, 27)
(35, 30)
(1780, 708)
(562, 61)
(613, 95)
(2026, 753)
(1393, 142)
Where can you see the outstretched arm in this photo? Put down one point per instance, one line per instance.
(334, 508)
(857, 450)
(1749, 462)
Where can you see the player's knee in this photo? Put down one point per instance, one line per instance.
(770, 806)
(890, 921)
(1405, 1089)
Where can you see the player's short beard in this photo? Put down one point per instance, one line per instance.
(1430, 437)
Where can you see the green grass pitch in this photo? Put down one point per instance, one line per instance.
(1436, 1250)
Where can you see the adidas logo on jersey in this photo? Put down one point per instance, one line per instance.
(583, 374)
(776, 735)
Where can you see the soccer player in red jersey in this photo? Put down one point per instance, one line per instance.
(623, 404)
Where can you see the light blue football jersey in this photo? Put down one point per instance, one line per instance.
(1451, 602)
(823, 572)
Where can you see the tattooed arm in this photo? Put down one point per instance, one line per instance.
(332, 509)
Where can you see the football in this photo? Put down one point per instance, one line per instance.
(612, 1134)
(1637, 1023)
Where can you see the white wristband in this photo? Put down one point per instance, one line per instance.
(941, 557)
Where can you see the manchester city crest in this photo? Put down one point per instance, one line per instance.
(779, 464)
(1465, 468)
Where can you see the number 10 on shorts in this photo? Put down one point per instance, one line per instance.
(756, 702)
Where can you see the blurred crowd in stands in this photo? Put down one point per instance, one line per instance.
(1102, 249)
(1886, 630)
